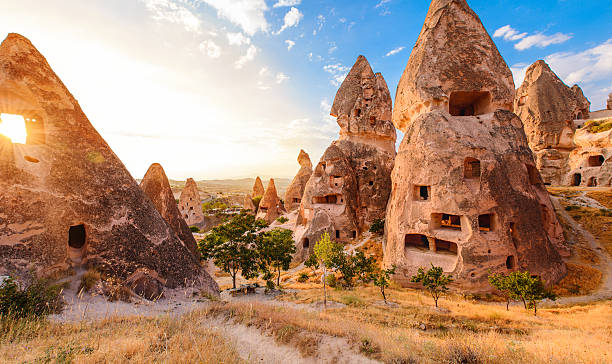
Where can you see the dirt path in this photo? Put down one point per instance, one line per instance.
(605, 265)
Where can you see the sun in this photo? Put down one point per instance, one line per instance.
(13, 127)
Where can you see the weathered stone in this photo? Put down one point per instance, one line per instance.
(466, 194)
(440, 74)
(190, 204)
(293, 195)
(609, 102)
(146, 283)
(248, 203)
(156, 186)
(350, 185)
(66, 198)
(588, 164)
(270, 206)
(258, 188)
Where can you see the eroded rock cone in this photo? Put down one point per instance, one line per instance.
(466, 194)
(156, 186)
(293, 195)
(270, 206)
(190, 204)
(350, 185)
(548, 109)
(66, 198)
(248, 203)
(258, 188)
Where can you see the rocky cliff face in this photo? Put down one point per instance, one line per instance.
(156, 186)
(466, 194)
(67, 200)
(190, 204)
(350, 185)
(609, 102)
(293, 195)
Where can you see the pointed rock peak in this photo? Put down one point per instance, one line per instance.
(454, 66)
(155, 172)
(270, 197)
(304, 159)
(16, 42)
(258, 188)
(351, 89)
(191, 183)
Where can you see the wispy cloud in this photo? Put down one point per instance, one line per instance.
(281, 3)
(291, 19)
(290, 44)
(320, 24)
(238, 39)
(281, 77)
(384, 9)
(395, 51)
(173, 12)
(247, 14)
(337, 71)
(248, 57)
(525, 41)
(211, 49)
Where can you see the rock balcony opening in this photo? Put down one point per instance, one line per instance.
(471, 168)
(77, 237)
(596, 160)
(446, 221)
(469, 103)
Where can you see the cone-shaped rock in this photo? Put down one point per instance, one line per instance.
(548, 109)
(190, 204)
(270, 206)
(258, 188)
(248, 204)
(66, 198)
(156, 186)
(466, 194)
(462, 73)
(350, 185)
(293, 195)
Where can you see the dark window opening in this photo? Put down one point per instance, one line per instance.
(579, 115)
(337, 234)
(469, 103)
(354, 234)
(297, 200)
(592, 182)
(76, 236)
(416, 240)
(365, 168)
(522, 100)
(534, 175)
(358, 112)
(447, 221)
(511, 262)
(446, 246)
(372, 120)
(485, 222)
(305, 243)
(421, 193)
(371, 183)
(471, 168)
(596, 160)
(186, 216)
(577, 179)
(327, 199)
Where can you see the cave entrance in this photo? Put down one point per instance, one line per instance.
(511, 262)
(305, 243)
(416, 241)
(446, 221)
(471, 168)
(469, 103)
(77, 238)
(446, 246)
(576, 179)
(596, 160)
(592, 182)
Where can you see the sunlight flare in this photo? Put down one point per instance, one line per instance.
(13, 127)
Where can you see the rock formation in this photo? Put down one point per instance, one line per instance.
(466, 194)
(588, 163)
(609, 102)
(293, 195)
(548, 109)
(270, 206)
(258, 188)
(67, 200)
(190, 204)
(156, 186)
(350, 185)
(248, 204)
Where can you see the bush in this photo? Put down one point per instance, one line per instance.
(89, 279)
(303, 277)
(115, 290)
(331, 281)
(40, 298)
(194, 229)
(572, 207)
(378, 226)
(282, 219)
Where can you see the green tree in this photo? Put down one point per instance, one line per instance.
(312, 262)
(326, 252)
(364, 266)
(345, 264)
(231, 246)
(502, 283)
(275, 250)
(256, 201)
(378, 226)
(382, 279)
(434, 280)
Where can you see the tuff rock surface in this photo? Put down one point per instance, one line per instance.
(258, 188)
(293, 195)
(350, 185)
(270, 206)
(609, 102)
(67, 200)
(190, 204)
(156, 186)
(466, 194)
(248, 204)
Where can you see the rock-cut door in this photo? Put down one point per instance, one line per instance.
(77, 239)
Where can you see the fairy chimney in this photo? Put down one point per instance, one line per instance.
(67, 200)
(258, 188)
(270, 206)
(248, 204)
(466, 194)
(156, 186)
(349, 188)
(190, 204)
(293, 195)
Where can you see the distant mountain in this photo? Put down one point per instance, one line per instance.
(231, 186)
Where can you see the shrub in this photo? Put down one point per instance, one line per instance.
(434, 280)
(194, 229)
(572, 207)
(378, 226)
(303, 277)
(256, 201)
(331, 281)
(282, 219)
(40, 298)
(89, 279)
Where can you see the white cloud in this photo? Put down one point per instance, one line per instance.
(290, 44)
(264, 71)
(525, 41)
(281, 77)
(394, 51)
(338, 72)
(238, 39)
(210, 48)
(281, 3)
(384, 8)
(320, 24)
(382, 2)
(541, 40)
(292, 18)
(508, 33)
(173, 12)
(518, 73)
(247, 14)
(248, 57)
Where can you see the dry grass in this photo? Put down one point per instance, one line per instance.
(134, 340)
(580, 280)
(596, 222)
(372, 248)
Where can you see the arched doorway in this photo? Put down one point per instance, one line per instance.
(77, 243)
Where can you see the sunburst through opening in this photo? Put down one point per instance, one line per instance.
(13, 127)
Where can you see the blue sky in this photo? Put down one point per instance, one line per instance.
(234, 88)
